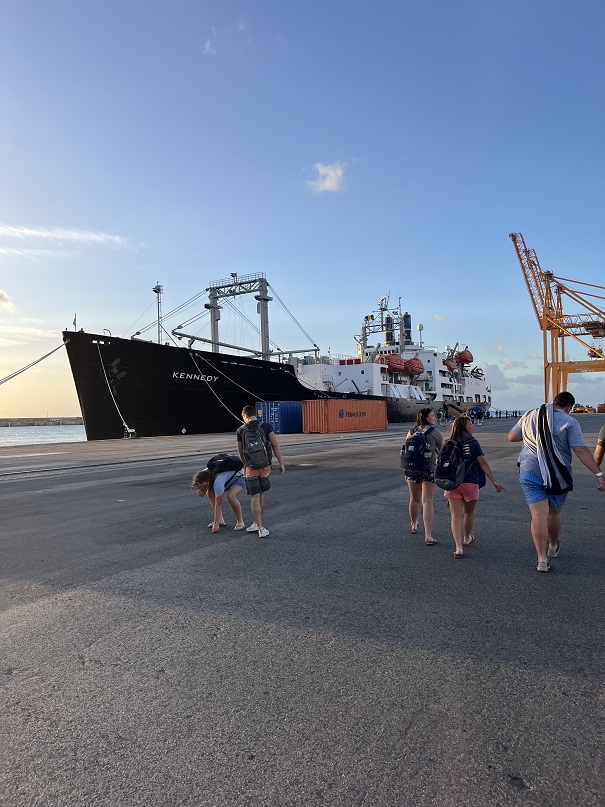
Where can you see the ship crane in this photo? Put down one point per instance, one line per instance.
(547, 293)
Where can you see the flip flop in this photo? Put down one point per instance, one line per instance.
(432, 542)
(240, 527)
(222, 524)
(414, 528)
(458, 556)
(472, 541)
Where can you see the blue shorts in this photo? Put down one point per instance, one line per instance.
(535, 492)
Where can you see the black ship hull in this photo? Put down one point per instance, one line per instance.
(128, 386)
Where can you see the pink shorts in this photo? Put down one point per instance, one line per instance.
(468, 491)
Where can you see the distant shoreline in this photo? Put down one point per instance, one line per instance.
(67, 421)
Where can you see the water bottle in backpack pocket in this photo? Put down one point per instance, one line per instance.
(451, 467)
(416, 455)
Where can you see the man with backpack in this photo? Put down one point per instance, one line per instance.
(256, 442)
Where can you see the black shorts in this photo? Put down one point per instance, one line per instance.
(426, 476)
(257, 484)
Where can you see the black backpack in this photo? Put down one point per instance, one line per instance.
(224, 462)
(257, 449)
(416, 455)
(451, 467)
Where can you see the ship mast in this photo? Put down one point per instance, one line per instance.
(158, 290)
(248, 284)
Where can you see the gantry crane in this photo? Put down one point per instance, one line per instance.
(547, 292)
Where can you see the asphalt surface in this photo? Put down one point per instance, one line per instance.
(146, 661)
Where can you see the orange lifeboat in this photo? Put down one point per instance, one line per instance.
(393, 361)
(451, 364)
(464, 356)
(413, 367)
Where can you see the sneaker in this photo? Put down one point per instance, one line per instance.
(543, 566)
(252, 528)
(263, 532)
(553, 551)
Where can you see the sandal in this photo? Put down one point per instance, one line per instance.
(414, 528)
(458, 555)
(431, 542)
(472, 541)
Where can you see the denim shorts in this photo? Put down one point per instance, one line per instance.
(534, 491)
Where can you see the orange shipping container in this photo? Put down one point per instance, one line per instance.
(601, 408)
(332, 415)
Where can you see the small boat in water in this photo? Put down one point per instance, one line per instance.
(129, 387)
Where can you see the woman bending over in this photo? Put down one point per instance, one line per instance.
(214, 486)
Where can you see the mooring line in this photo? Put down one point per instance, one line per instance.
(113, 398)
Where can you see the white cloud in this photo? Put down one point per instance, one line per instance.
(62, 235)
(11, 335)
(330, 178)
(529, 380)
(439, 317)
(505, 360)
(13, 252)
(534, 356)
(209, 49)
(496, 378)
(5, 303)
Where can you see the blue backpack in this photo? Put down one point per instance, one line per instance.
(416, 455)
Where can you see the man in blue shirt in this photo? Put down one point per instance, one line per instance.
(544, 504)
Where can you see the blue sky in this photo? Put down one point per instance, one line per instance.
(348, 150)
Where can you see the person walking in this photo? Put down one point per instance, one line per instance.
(463, 498)
(599, 451)
(255, 443)
(549, 436)
(421, 483)
(208, 483)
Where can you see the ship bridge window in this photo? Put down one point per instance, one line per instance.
(477, 399)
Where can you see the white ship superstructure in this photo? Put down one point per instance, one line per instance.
(408, 374)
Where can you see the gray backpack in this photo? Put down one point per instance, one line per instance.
(257, 449)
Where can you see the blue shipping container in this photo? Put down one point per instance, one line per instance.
(284, 416)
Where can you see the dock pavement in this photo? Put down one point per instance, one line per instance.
(340, 661)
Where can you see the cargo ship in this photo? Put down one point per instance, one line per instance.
(133, 387)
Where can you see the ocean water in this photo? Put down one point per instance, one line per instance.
(32, 435)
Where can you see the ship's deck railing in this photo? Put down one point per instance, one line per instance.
(233, 280)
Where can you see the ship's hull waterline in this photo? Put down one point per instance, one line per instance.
(157, 390)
